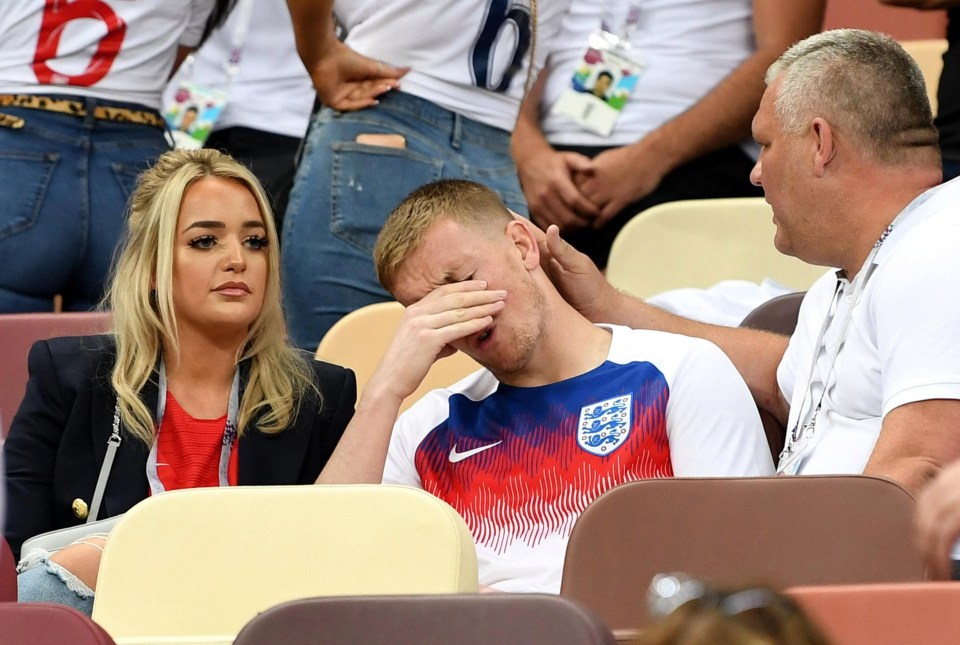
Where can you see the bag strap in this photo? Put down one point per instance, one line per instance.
(112, 444)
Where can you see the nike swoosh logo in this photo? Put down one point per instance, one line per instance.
(460, 456)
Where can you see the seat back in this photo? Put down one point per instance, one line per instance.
(47, 624)
(697, 243)
(18, 332)
(778, 315)
(203, 562)
(8, 573)
(495, 619)
(923, 613)
(928, 52)
(360, 339)
(774, 531)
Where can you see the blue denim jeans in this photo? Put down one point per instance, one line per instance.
(64, 184)
(43, 581)
(344, 191)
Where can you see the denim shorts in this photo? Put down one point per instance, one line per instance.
(64, 189)
(344, 191)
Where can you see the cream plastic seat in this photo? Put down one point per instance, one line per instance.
(199, 564)
(699, 242)
(929, 56)
(359, 340)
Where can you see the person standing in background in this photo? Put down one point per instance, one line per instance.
(80, 87)
(416, 92)
(269, 93)
(691, 78)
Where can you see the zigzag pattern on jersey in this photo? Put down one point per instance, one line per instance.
(539, 480)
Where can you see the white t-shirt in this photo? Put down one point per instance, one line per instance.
(521, 464)
(271, 91)
(460, 52)
(115, 50)
(687, 47)
(901, 346)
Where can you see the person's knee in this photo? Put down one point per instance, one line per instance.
(40, 580)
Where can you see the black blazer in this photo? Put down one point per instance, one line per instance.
(58, 438)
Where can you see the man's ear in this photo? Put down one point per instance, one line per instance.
(826, 150)
(525, 242)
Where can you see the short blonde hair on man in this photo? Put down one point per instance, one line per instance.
(465, 202)
(140, 295)
(865, 85)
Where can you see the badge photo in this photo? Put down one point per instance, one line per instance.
(600, 86)
(192, 112)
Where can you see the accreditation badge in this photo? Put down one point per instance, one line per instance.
(191, 113)
(601, 84)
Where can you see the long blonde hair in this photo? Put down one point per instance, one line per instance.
(140, 295)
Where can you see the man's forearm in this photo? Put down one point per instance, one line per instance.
(312, 28)
(361, 454)
(755, 354)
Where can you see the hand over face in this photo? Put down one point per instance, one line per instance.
(445, 315)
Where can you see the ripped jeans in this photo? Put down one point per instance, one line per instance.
(41, 580)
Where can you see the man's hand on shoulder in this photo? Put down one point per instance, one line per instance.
(576, 277)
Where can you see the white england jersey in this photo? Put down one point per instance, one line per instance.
(119, 50)
(521, 463)
(469, 56)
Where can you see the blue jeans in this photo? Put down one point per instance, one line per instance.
(63, 193)
(44, 581)
(344, 191)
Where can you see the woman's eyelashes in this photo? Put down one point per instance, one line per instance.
(206, 242)
(203, 242)
(257, 242)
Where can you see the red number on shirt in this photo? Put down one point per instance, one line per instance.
(56, 15)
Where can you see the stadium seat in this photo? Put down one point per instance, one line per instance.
(778, 315)
(698, 243)
(8, 573)
(359, 340)
(772, 531)
(494, 619)
(929, 56)
(45, 624)
(923, 613)
(203, 562)
(18, 332)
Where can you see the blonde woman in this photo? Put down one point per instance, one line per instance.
(197, 381)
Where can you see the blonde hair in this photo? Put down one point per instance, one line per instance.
(864, 84)
(140, 296)
(465, 202)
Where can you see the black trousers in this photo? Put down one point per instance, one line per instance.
(271, 157)
(724, 173)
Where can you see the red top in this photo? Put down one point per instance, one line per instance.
(188, 450)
